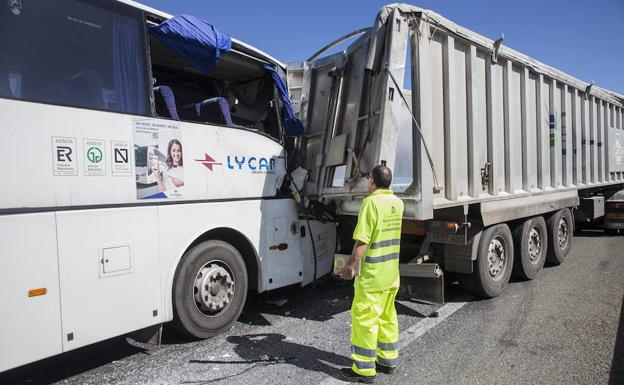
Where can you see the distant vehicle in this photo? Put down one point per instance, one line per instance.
(144, 159)
(614, 213)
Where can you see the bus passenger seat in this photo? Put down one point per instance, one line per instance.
(164, 101)
(5, 88)
(86, 89)
(215, 110)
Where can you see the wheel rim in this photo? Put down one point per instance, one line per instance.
(213, 288)
(535, 245)
(563, 233)
(497, 258)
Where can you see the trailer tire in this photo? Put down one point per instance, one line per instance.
(560, 227)
(494, 263)
(209, 289)
(531, 242)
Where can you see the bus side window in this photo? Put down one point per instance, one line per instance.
(5, 86)
(238, 92)
(75, 53)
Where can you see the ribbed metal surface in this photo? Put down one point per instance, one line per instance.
(528, 132)
(498, 124)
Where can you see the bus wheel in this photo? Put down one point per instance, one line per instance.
(530, 239)
(494, 263)
(560, 226)
(209, 289)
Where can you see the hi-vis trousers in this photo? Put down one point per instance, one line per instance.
(374, 330)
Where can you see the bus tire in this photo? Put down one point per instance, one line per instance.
(209, 289)
(531, 242)
(494, 263)
(560, 227)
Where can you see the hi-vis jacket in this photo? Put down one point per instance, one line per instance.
(379, 226)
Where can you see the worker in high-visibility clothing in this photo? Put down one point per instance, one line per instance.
(374, 323)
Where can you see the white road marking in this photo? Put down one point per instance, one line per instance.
(416, 331)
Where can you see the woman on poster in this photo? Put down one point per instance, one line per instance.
(173, 177)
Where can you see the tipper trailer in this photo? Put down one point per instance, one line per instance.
(494, 154)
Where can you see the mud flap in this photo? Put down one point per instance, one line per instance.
(423, 282)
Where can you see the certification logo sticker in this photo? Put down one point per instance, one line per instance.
(64, 156)
(120, 159)
(94, 163)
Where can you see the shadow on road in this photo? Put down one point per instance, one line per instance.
(271, 349)
(616, 376)
(590, 232)
(71, 363)
(319, 301)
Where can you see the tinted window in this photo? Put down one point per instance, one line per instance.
(74, 53)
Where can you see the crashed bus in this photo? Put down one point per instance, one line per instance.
(147, 161)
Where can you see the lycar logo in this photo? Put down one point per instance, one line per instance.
(251, 163)
(238, 163)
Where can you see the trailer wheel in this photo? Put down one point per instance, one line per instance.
(493, 265)
(531, 240)
(560, 227)
(209, 289)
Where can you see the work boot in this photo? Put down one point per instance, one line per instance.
(385, 369)
(350, 376)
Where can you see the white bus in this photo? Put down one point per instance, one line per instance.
(90, 249)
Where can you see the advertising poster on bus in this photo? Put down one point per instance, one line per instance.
(158, 159)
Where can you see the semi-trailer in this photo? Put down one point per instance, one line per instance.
(495, 155)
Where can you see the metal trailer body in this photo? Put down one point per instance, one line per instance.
(84, 258)
(500, 126)
(509, 138)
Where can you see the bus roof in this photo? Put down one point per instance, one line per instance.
(236, 44)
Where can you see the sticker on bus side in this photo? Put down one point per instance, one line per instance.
(159, 163)
(64, 156)
(94, 157)
(120, 158)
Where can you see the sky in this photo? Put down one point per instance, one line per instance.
(584, 38)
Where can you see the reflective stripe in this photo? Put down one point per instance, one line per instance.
(391, 362)
(382, 258)
(388, 345)
(364, 364)
(391, 242)
(371, 353)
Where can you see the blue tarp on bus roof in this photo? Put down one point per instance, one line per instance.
(202, 44)
(292, 124)
(194, 39)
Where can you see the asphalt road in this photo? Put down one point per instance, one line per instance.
(566, 327)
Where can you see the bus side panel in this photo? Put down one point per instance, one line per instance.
(30, 326)
(110, 273)
(263, 222)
